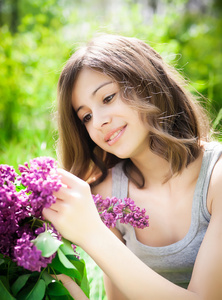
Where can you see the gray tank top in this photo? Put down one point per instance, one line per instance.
(174, 262)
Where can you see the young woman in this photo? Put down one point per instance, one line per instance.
(129, 128)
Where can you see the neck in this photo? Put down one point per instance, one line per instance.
(154, 168)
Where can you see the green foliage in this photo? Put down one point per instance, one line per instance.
(18, 283)
(31, 60)
(200, 45)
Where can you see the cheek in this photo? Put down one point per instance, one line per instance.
(97, 139)
(93, 134)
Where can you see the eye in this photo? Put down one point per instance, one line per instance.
(86, 118)
(108, 98)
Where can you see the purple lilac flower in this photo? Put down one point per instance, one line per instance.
(12, 210)
(113, 209)
(28, 256)
(17, 209)
(74, 247)
(41, 180)
(133, 215)
(7, 174)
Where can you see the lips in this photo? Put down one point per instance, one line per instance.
(114, 133)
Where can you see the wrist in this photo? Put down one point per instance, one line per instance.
(94, 238)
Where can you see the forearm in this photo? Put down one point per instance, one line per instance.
(75, 291)
(75, 216)
(129, 273)
(73, 288)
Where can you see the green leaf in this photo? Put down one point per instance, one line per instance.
(5, 295)
(47, 278)
(64, 260)
(80, 265)
(64, 297)
(5, 282)
(47, 243)
(85, 283)
(20, 283)
(58, 265)
(33, 291)
(57, 289)
(66, 247)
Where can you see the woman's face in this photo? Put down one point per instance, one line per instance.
(112, 124)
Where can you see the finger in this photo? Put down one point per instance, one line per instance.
(64, 278)
(69, 179)
(66, 193)
(61, 192)
(49, 214)
(58, 205)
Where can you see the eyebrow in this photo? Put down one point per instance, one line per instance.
(102, 85)
(94, 92)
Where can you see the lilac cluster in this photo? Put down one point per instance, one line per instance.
(112, 209)
(12, 208)
(7, 174)
(41, 180)
(22, 199)
(28, 256)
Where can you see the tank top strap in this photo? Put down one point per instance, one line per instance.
(119, 182)
(212, 153)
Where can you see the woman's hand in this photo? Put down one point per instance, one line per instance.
(74, 214)
(73, 288)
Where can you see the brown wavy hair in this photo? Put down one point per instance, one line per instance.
(176, 120)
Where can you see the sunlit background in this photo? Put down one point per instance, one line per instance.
(37, 37)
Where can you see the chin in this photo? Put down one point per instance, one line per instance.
(121, 155)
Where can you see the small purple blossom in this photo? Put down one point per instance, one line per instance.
(112, 209)
(74, 247)
(28, 256)
(41, 180)
(7, 174)
(12, 211)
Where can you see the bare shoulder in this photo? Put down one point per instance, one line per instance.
(217, 172)
(105, 187)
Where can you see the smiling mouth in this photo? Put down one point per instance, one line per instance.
(115, 135)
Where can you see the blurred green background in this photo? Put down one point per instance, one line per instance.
(37, 37)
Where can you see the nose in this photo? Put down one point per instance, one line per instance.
(100, 119)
